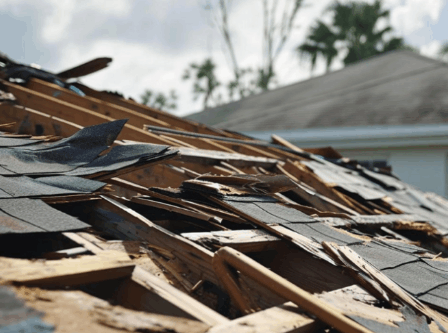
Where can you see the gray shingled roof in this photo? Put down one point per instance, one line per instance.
(396, 88)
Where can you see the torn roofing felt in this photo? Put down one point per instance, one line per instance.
(6, 141)
(78, 155)
(24, 73)
(64, 155)
(124, 156)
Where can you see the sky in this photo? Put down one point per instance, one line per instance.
(153, 42)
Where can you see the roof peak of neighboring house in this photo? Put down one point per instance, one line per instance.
(319, 77)
(368, 79)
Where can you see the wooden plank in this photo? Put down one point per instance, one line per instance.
(280, 141)
(210, 157)
(328, 152)
(157, 175)
(184, 302)
(145, 297)
(227, 257)
(130, 225)
(73, 113)
(34, 122)
(252, 240)
(67, 272)
(141, 256)
(185, 203)
(79, 239)
(171, 119)
(309, 178)
(245, 147)
(175, 209)
(134, 226)
(197, 143)
(285, 318)
(86, 68)
(93, 104)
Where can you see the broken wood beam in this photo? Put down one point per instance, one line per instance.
(253, 240)
(67, 272)
(227, 257)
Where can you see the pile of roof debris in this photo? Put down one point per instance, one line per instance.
(160, 224)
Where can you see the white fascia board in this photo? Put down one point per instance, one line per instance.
(363, 136)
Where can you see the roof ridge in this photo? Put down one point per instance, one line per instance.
(365, 85)
(364, 61)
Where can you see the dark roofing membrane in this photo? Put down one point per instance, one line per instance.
(53, 166)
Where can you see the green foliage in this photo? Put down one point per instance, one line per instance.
(159, 100)
(443, 52)
(242, 85)
(354, 25)
(320, 42)
(205, 82)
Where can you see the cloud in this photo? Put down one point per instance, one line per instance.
(431, 49)
(410, 15)
(152, 42)
(135, 67)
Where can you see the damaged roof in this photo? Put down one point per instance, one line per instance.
(117, 216)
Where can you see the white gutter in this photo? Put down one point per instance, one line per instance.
(363, 136)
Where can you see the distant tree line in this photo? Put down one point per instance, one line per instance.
(353, 33)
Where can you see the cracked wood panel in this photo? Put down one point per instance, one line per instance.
(87, 269)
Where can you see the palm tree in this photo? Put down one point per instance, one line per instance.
(354, 25)
(320, 42)
(443, 52)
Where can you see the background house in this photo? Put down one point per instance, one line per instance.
(390, 109)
